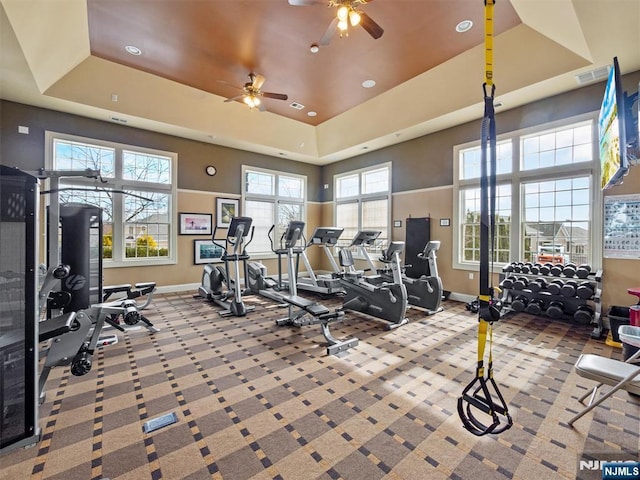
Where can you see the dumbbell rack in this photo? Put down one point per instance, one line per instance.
(571, 303)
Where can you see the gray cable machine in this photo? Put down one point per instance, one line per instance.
(19, 202)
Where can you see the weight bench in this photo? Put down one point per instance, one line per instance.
(313, 313)
(607, 371)
(141, 289)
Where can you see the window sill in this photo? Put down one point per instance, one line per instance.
(138, 263)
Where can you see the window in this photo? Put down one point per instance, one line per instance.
(545, 196)
(135, 192)
(363, 202)
(271, 198)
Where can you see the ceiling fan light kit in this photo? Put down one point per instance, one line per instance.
(347, 13)
(252, 93)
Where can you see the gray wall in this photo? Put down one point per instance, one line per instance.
(28, 151)
(428, 161)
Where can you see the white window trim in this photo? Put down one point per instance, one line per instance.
(272, 198)
(366, 197)
(50, 136)
(517, 177)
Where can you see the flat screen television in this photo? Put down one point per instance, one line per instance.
(611, 131)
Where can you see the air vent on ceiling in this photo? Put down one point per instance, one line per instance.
(593, 75)
(296, 105)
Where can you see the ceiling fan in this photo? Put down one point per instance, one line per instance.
(252, 93)
(347, 14)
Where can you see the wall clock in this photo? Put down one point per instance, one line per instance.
(211, 170)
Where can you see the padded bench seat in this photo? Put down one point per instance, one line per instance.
(308, 305)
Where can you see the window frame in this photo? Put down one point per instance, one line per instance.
(360, 198)
(518, 177)
(119, 182)
(275, 199)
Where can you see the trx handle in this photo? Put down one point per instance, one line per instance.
(483, 394)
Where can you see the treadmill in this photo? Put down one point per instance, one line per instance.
(325, 238)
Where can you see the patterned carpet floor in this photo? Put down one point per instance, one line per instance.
(257, 401)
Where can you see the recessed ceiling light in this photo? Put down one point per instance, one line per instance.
(133, 50)
(464, 26)
(311, 114)
(314, 48)
(369, 83)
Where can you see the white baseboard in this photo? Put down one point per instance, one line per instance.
(178, 288)
(462, 297)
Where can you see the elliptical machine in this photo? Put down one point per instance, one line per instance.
(375, 295)
(214, 277)
(258, 281)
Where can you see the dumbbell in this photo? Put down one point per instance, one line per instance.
(535, 306)
(517, 267)
(556, 270)
(569, 288)
(555, 310)
(535, 269)
(519, 303)
(526, 268)
(583, 271)
(555, 286)
(509, 268)
(507, 283)
(569, 270)
(584, 314)
(546, 269)
(520, 283)
(585, 290)
(537, 284)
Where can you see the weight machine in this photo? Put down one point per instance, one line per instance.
(55, 311)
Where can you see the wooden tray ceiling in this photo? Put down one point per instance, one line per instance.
(205, 43)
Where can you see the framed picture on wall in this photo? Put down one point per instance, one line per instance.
(226, 209)
(205, 251)
(195, 223)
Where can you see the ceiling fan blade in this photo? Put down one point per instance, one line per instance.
(305, 3)
(326, 38)
(258, 80)
(370, 26)
(277, 96)
(230, 84)
(233, 98)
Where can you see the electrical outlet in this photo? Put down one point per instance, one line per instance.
(470, 275)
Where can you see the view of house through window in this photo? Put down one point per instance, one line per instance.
(271, 199)
(135, 192)
(544, 197)
(363, 202)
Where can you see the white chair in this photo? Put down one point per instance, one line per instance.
(607, 371)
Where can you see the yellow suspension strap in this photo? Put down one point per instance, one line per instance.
(482, 394)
